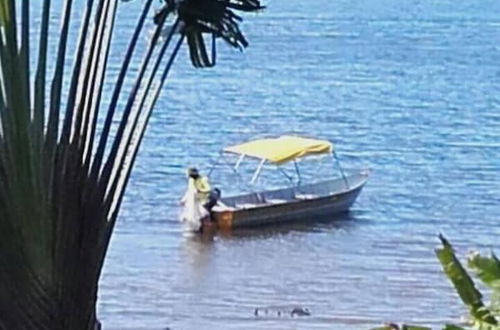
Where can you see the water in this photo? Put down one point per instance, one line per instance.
(409, 89)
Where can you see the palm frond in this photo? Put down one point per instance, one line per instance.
(487, 269)
(452, 327)
(60, 193)
(466, 289)
(213, 17)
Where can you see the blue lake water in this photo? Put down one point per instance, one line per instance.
(409, 89)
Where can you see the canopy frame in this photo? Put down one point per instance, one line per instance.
(257, 171)
(297, 170)
(264, 161)
(334, 155)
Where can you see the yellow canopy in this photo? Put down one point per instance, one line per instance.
(282, 149)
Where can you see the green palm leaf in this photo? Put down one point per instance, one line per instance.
(487, 269)
(481, 316)
(452, 327)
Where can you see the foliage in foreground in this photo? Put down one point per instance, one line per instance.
(481, 316)
(62, 173)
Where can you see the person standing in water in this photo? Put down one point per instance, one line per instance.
(201, 184)
(198, 200)
(204, 193)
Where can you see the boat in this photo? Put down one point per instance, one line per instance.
(299, 201)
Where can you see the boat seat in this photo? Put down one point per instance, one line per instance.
(305, 196)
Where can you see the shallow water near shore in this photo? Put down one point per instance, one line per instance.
(409, 90)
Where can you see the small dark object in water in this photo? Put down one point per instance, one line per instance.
(281, 311)
(299, 311)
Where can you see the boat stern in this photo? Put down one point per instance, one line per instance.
(223, 219)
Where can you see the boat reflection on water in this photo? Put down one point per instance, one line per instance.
(202, 251)
(225, 272)
(342, 221)
(198, 251)
(199, 244)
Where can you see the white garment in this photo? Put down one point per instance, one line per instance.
(193, 211)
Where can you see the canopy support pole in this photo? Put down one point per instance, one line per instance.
(341, 170)
(240, 159)
(214, 164)
(299, 178)
(289, 177)
(257, 172)
(238, 175)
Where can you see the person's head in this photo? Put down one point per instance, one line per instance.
(193, 173)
